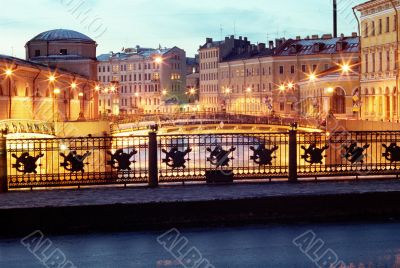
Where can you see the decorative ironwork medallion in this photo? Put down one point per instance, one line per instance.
(74, 162)
(26, 163)
(392, 152)
(262, 155)
(175, 158)
(313, 154)
(121, 160)
(355, 154)
(220, 157)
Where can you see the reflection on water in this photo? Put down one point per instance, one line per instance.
(358, 245)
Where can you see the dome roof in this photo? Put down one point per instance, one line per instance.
(62, 35)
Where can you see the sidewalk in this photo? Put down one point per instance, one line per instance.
(187, 193)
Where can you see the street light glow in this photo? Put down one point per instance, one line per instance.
(248, 89)
(192, 91)
(73, 85)
(8, 72)
(57, 91)
(164, 92)
(312, 77)
(80, 94)
(282, 87)
(158, 60)
(346, 68)
(290, 85)
(52, 78)
(329, 90)
(227, 90)
(97, 88)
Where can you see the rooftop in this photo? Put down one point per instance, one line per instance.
(62, 35)
(325, 46)
(127, 53)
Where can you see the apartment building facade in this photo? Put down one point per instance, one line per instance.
(380, 55)
(265, 80)
(211, 54)
(148, 81)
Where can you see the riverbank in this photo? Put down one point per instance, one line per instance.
(119, 209)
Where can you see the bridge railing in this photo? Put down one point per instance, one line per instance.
(153, 159)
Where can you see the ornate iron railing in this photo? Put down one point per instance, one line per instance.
(77, 161)
(192, 158)
(349, 153)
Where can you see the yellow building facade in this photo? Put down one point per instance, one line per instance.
(379, 55)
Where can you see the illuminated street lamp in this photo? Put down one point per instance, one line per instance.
(73, 85)
(97, 88)
(290, 85)
(82, 100)
(312, 77)
(282, 88)
(52, 78)
(158, 60)
(329, 90)
(56, 92)
(345, 68)
(164, 92)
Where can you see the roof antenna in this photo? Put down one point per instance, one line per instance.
(234, 28)
(221, 29)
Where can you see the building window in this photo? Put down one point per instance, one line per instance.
(282, 106)
(373, 28)
(303, 68)
(366, 29)
(281, 69)
(380, 27)
(292, 69)
(388, 60)
(373, 62)
(380, 62)
(387, 24)
(63, 52)
(338, 101)
(366, 63)
(37, 53)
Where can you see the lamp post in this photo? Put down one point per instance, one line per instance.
(56, 92)
(248, 91)
(82, 106)
(8, 74)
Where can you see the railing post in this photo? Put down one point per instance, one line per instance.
(293, 155)
(3, 164)
(153, 159)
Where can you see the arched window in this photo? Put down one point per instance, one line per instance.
(338, 105)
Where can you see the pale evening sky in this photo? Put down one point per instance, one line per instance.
(184, 23)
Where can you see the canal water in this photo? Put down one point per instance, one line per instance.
(357, 245)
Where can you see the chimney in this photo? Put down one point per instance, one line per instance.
(298, 37)
(209, 40)
(335, 24)
(232, 37)
(327, 36)
(226, 38)
(261, 47)
(271, 44)
(314, 36)
(354, 34)
(245, 39)
(240, 38)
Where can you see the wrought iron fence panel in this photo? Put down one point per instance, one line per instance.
(348, 154)
(255, 155)
(76, 161)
